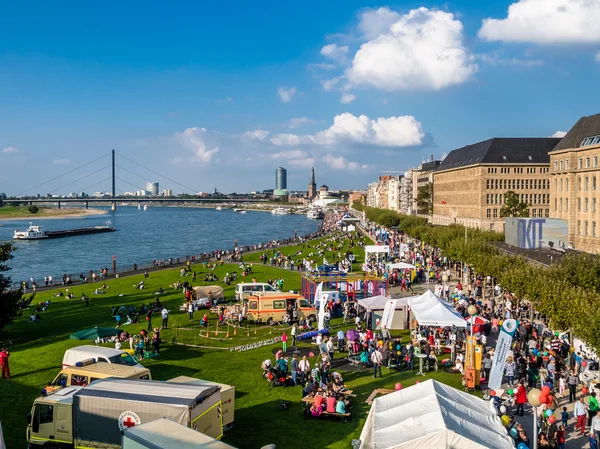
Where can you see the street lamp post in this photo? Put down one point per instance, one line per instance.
(472, 311)
(534, 399)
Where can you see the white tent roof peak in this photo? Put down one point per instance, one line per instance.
(430, 310)
(432, 415)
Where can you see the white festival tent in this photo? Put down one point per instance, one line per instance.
(375, 307)
(378, 303)
(431, 310)
(432, 415)
(400, 266)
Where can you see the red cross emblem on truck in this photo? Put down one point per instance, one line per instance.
(127, 420)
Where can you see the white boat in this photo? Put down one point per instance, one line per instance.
(280, 211)
(145, 207)
(237, 210)
(242, 212)
(33, 233)
(219, 208)
(139, 206)
(315, 214)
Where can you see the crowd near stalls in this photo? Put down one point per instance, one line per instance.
(542, 367)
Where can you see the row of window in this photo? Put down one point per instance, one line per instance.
(594, 140)
(516, 170)
(558, 204)
(589, 163)
(528, 198)
(517, 184)
(586, 228)
(535, 213)
(559, 184)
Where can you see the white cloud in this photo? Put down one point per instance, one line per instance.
(9, 150)
(286, 139)
(335, 52)
(546, 22)
(331, 84)
(419, 50)
(290, 154)
(400, 131)
(496, 60)
(341, 163)
(302, 163)
(374, 22)
(300, 121)
(286, 95)
(194, 139)
(321, 65)
(61, 161)
(257, 134)
(560, 134)
(347, 98)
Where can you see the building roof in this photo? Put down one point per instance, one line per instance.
(585, 127)
(501, 150)
(430, 166)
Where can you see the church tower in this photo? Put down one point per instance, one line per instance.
(312, 185)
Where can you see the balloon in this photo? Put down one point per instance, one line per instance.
(312, 354)
(549, 413)
(398, 386)
(514, 432)
(472, 310)
(572, 349)
(505, 420)
(543, 398)
(556, 333)
(522, 446)
(476, 329)
(552, 419)
(534, 397)
(546, 390)
(550, 399)
(418, 382)
(584, 363)
(502, 409)
(510, 392)
(584, 390)
(492, 393)
(545, 353)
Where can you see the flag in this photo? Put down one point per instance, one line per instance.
(502, 347)
(322, 303)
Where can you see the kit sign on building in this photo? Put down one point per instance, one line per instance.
(537, 233)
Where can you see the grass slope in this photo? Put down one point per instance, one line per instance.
(38, 349)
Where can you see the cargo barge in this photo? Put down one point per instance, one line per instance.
(36, 232)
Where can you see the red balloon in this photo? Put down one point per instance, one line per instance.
(584, 363)
(543, 398)
(546, 390)
(492, 393)
(550, 399)
(312, 354)
(584, 390)
(552, 419)
(476, 329)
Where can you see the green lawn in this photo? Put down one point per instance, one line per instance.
(23, 212)
(38, 349)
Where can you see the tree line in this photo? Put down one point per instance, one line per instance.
(567, 291)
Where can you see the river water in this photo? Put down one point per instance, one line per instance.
(143, 236)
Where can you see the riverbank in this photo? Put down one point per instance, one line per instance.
(9, 213)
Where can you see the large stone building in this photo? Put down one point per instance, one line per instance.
(422, 176)
(574, 178)
(312, 186)
(470, 183)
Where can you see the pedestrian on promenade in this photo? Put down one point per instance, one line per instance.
(284, 341)
(294, 331)
(376, 359)
(572, 382)
(165, 317)
(580, 413)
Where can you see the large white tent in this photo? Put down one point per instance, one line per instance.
(378, 302)
(375, 305)
(431, 415)
(431, 310)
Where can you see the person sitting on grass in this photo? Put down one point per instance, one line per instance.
(204, 321)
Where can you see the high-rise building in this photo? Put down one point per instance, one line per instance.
(152, 188)
(167, 192)
(312, 185)
(281, 179)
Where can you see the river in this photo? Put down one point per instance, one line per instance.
(143, 236)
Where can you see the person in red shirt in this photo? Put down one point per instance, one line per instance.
(521, 398)
(331, 404)
(4, 355)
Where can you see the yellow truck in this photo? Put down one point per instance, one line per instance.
(96, 416)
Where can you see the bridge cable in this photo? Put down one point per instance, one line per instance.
(155, 172)
(60, 176)
(99, 182)
(79, 179)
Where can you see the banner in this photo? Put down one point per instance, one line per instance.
(322, 303)
(388, 313)
(502, 349)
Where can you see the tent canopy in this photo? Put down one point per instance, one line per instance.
(431, 310)
(378, 303)
(400, 266)
(432, 415)
(215, 291)
(95, 332)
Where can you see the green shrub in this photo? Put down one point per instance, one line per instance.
(33, 209)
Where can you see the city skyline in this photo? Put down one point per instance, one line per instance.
(204, 104)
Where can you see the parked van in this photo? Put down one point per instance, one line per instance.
(87, 371)
(245, 290)
(100, 354)
(273, 308)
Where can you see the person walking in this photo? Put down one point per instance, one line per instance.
(165, 317)
(304, 366)
(595, 426)
(580, 413)
(284, 341)
(376, 359)
(4, 355)
(191, 311)
(294, 331)
(593, 408)
(521, 397)
(572, 382)
(487, 367)
(294, 368)
(149, 319)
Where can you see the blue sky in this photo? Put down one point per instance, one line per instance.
(220, 94)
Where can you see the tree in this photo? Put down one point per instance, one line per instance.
(33, 209)
(425, 199)
(513, 207)
(9, 299)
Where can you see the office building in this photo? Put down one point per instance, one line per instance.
(470, 184)
(574, 178)
(280, 191)
(152, 188)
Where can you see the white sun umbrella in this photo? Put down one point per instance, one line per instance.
(401, 266)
